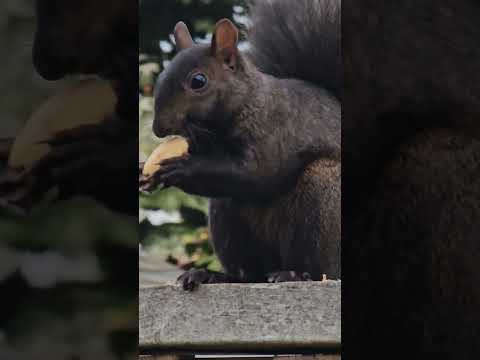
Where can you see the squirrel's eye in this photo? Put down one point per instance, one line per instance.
(198, 81)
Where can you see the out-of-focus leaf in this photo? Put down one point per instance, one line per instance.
(172, 199)
(68, 226)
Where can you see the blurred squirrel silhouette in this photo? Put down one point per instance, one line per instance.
(410, 180)
(264, 132)
(96, 157)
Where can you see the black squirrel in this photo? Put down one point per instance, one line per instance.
(410, 180)
(99, 161)
(264, 129)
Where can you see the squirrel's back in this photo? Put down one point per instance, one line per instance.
(298, 39)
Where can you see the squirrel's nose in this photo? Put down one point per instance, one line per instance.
(165, 123)
(159, 129)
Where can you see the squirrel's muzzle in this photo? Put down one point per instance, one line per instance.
(165, 124)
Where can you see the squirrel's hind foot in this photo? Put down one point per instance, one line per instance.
(284, 276)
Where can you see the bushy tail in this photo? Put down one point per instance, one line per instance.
(298, 39)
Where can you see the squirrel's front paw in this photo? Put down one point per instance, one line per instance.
(192, 278)
(176, 171)
(88, 152)
(145, 183)
(284, 276)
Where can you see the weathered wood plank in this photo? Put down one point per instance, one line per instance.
(242, 317)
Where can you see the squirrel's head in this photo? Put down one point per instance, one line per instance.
(201, 86)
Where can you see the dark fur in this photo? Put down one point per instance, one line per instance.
(411, 190)
(84, 36)
(265, 149)
(314, 39)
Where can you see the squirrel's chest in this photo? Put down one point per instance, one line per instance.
(262, 224)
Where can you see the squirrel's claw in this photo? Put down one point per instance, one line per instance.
(171, 173)
(191, 279)
(146, 184)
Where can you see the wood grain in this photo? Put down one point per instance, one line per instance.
(242, 317)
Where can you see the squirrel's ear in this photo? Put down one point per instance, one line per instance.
(182, 36)
(224, 42)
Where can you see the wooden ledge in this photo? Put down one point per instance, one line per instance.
(242, 317)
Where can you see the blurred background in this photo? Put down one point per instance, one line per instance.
(173, 225)
(68, 271)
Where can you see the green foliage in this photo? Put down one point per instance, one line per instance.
(182, 237)
(65, 267)
(172, 199)
(157, 19)
(83, 224)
